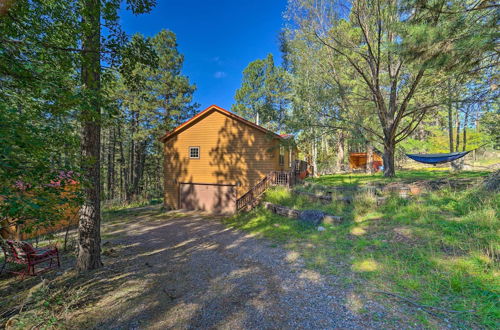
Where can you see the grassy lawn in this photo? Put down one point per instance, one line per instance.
(441, 249)
(402, 176)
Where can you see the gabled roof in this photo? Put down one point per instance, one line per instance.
(224, 112)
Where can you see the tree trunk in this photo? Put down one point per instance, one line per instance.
(466, 119)
(123, 169)
(314, 154)
(457, 165)
(369, 158)
(89, 236)
(159, 174)
(133, 158)
(109, 186)
(457, 141)
(112, 165)
(450, 118)
(388, 157)
(130, 170)
(140, 160)
(340, 151)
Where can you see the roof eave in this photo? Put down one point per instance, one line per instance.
(169, 134)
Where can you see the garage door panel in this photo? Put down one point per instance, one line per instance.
(220, 199)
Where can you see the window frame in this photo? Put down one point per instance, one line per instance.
(194, 147)
(282, 156)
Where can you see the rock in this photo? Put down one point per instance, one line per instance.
(396, 188)
(321, 228)
(313, 217)
(269, 206)
(332, 219)
(344, 199)
(492, 182)
(314, 196)
(286, 212)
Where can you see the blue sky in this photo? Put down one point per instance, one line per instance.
(217, 37)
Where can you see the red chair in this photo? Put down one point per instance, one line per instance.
(22, 253)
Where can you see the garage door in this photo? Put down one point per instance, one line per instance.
(213, 198)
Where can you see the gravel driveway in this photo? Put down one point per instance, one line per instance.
(191, 271)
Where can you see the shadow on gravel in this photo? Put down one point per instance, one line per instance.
(194, 272)
(191, 271)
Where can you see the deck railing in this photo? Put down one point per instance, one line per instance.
(274, 178)
(250, 196)
(281, 178)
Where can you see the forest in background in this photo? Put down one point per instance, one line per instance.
(393, 77)
(80, 100)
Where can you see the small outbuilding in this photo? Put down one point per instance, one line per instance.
(358, 161)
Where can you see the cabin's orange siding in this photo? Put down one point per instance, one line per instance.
(10, 229)
(231, 152)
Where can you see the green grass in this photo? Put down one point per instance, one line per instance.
(354, 179)
(111, 207)
(441, 249)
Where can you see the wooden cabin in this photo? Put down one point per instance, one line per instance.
(12, 229)
(216, 157)
(358, 160)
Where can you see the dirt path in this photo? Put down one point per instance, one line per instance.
(193, 272)
(167, 271)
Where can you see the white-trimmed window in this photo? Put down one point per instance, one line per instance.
(290, 158)
(282, 156)
(194, 152)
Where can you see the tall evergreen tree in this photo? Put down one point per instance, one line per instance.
(264, 95)
(159, 99)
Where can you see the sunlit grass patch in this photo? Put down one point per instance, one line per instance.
(440, 249)
(364, 203)
(365, 265)
(355, 179)
(358, 231)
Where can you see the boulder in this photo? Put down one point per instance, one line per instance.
(492, 182)
(313, 217)
(287, 212)
(269, 206)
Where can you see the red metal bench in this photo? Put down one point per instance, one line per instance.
(22, 253)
